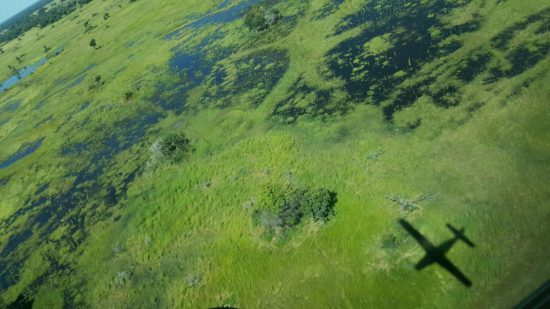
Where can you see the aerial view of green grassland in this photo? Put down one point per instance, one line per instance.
(275, 154)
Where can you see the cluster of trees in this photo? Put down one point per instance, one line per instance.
(172, 148)
(286, 205)
(40, 18)
(259, 18)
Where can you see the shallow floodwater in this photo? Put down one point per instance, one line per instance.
(220, 17)
(25, 150)
(24, 72)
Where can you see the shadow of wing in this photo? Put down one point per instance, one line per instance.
(449, 266)
(425, 243)
(425, 261)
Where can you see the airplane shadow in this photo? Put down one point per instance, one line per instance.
(436, 254)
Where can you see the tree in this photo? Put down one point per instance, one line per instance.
(14, 70)
(106, 16)
(286, 205)
(93, 43)
(88, 27)
(98, 82)
(258, 18)
(174, 147)
(46, 49)
(254, 18)
(319, 203)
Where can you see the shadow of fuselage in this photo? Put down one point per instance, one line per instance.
(436, 254)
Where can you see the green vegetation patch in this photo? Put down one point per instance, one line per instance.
(259, 18)
(284, 206)
(172, 148)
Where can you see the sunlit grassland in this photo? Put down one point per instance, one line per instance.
(477, 178)
(487, 167)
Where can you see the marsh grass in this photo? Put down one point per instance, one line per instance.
(179, 236)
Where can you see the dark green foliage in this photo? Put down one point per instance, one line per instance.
(286, 205)
(46, 49)
(88, 27)
(319, 203)
(258, 18)
(106, 16)
(93, 43)
(128, 95)
(37, 15)
(98, 82)
(13, 69)
(174, 147)
(254, 18)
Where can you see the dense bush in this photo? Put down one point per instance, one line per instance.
(258, 18)
(286, 205)
(319, 203)
(174, 147)
(171, 148)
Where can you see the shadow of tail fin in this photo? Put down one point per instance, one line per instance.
(460, 235)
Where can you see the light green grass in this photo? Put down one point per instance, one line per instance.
(488, 169)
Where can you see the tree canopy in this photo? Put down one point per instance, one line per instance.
(39, 18)
(286, 205)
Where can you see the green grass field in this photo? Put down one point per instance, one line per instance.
(368, 98)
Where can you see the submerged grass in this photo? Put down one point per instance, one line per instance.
(85, 224)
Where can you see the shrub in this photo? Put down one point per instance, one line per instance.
(319, 204)
(286, 205)
(173, 147)
(258, 18)
(128, 95)
(97, 83)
